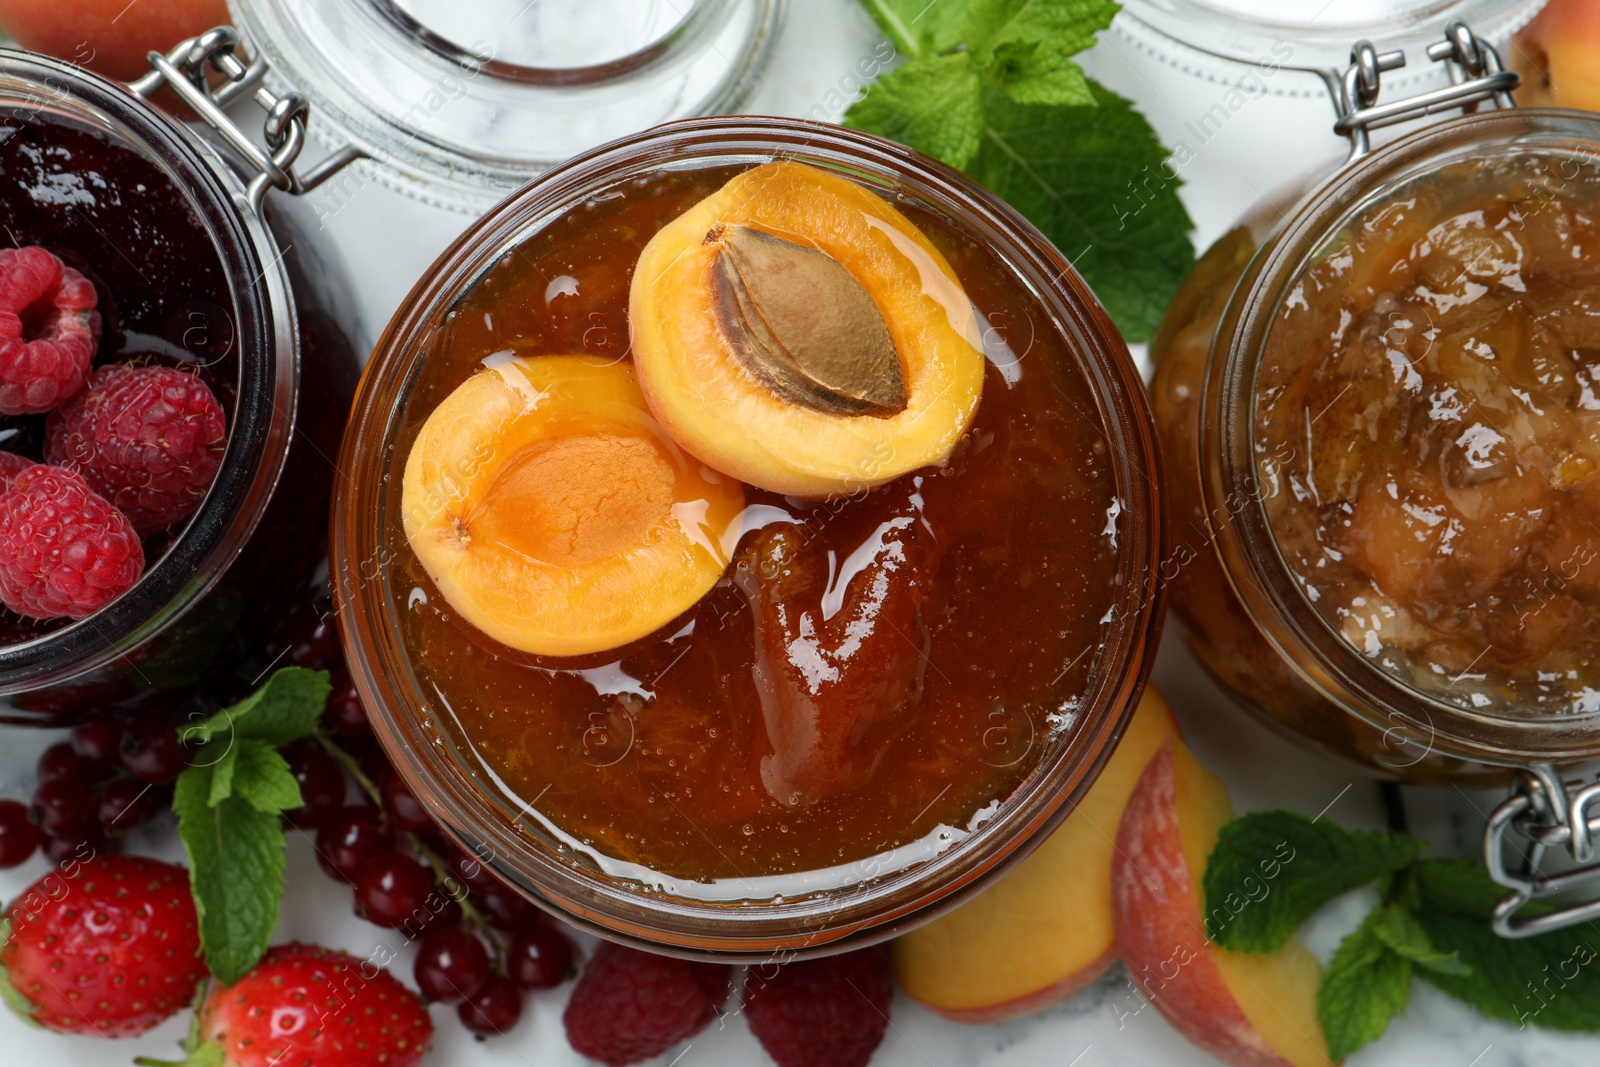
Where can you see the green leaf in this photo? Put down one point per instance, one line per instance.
(1096, 182)
(1552, 980)
(1069, 25)
(1270, 870)
(222, 775)
(236, 863)
(1398, 928)
(1366, 984)
(263, 779)
(285, 709)
(919, 27)
(933, 105)
(1035, 72)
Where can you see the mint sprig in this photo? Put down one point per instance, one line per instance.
(229, 804)
(989, 87)
(1271, 870)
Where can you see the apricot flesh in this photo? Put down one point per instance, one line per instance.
(706, 360)
(554, 513)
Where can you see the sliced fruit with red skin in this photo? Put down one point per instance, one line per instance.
(1246, 1009)
(111, 37)
(107, 947)
(1555, 54)
(629, 1005)
(828, 1012)
(556, 515)
(313, 1007)
(1044, 932)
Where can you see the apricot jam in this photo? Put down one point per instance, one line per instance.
(1426, 433)
(945, 623)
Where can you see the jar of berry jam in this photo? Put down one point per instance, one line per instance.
(1378, 419)
(746, 538)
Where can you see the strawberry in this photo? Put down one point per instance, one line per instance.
(307, 1006)
(109, 946)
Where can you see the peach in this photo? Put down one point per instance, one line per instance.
(796, 331)
(109, 37)
(1251, 1010)
(555, 515)
(1043, 932)
(1556, 55)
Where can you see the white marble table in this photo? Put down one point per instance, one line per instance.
(387, 241)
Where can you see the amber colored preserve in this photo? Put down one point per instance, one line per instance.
(870, 671)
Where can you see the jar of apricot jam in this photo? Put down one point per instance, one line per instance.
(191, 275)
(746, 538)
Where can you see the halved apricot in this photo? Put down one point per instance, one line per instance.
(555, 514)
(798, 332)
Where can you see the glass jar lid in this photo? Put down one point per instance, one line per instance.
(461, 103)
(1228, 40)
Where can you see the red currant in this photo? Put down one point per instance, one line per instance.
(98, 742)
(321, 784)
(403, 808)
(19, 836)
(59, 761)
(392, 889)
(452, 964)
(151, 750)
(349, 838)
(493, 1009)
(124, 804)
(503, 906)
(345, 713)
(63, 807)
(540, 957)
(81, 846)
(313, 640)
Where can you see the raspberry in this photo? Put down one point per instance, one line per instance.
(12, 465)
(830, 1012)
(64, 550)
(49, 329)
(148, 439)
(629, 1005)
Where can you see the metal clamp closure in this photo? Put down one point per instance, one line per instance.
(1476, 76)
(186, 70)
(1544, 812)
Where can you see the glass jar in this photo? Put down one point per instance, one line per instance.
(1430, 663)
(858, 902)
(251, 549)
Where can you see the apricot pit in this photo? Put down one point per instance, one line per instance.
(796, 331)
(553, 512)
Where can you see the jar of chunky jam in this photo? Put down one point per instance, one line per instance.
(746, 539)
(1379, 421)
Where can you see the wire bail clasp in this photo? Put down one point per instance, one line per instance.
(1545, 812)
(1476, 76)
(186, 70)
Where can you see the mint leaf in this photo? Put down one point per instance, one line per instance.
(932, 104)
(263, 779)
(1551, 981)
(1366, 984)
(1399, 930)
(1036, 72)
(236, 863)
(1095, 180)
(285, 709)
(919, 27)
(1270, 870)
(222, 775)
(1069, 25)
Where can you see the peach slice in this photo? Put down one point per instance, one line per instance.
(555, 514)
(1555, 54)
(1247, 1009)
(1043, 932)
(798, 332)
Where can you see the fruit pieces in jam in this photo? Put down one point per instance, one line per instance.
(1427, 433)
(870, 671)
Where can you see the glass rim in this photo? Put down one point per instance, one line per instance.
(872, 908)
(268, 355)
(1413, 719)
